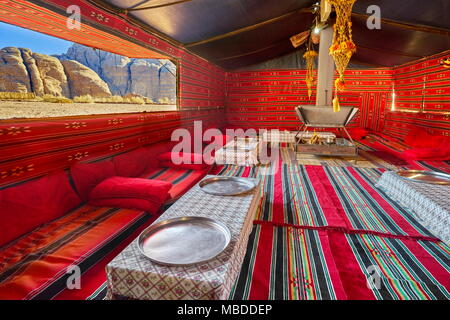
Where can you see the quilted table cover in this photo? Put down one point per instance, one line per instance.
(239, 153)
(132, 276)
(429, 202)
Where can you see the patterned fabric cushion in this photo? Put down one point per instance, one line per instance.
(38, 265)
(133, 193)
(31, 204)
(133, 163)
(87, 175)
(181, 179)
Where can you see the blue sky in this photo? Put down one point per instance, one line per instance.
(12, 36)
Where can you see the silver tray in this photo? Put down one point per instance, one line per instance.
(425, 176)
(227, 186)
(184, 241)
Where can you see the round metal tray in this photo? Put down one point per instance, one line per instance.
(184, 241)
(425, 176)
(227, 186)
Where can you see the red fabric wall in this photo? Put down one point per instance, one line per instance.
(266, 98)
(409, 84)
(31, 148)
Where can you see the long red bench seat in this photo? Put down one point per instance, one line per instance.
(48, 227)
(39, 264)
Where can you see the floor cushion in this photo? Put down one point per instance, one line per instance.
(442, 153)
(35, 266)
(358, 133)
(182, 180)
(190, 161)
(132, 163)
(28, 205)
(132, 193)
(87, 175)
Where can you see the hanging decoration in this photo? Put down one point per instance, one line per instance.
(309, 56)
(445, 62)
(342, 47)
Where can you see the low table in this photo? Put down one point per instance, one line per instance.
(131, 275)
(429, 202)
(341, 148)
(240, 152)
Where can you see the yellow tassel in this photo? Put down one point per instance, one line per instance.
(336, 106)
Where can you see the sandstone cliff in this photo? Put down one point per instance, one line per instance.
(151, 78)
(84, 70)
(24, 71)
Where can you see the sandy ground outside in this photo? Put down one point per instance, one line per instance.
(32, 109)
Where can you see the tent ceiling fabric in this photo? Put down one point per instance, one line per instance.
(238, 33)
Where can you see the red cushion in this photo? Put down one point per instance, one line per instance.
(191, 161)
(133, 163)
(158, 148)
(221, 140)
(87, 175)
(127, 203)
(442, 153)
(184, 166)
(132, 193)
(358, 133)
(420, 138)
(31, 204)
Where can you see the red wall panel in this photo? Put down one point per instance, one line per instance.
(266, 98)
(429, 104)
(31, 148)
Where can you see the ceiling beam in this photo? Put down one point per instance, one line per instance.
(407, 25)
(248, 28)
(134, 8)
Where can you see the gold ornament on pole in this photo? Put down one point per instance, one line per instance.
(309, 57)
(343, 46)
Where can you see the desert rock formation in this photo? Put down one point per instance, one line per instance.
(24, 71)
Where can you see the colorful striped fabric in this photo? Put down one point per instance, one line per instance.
(295, 263)
(181, 179)
(390, 150)
(405, 270)
(322, 232)
(288, 263)
(328, 196)
(37, 265)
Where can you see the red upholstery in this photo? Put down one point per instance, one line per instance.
(190, 161)
(133, 163)
(156, 149)
(220, 140)
(181, 179)
(87, 175)
(420, 138)
(132, 193)
(442, 153)
(31, 204)
(358, 133)
(38, 262)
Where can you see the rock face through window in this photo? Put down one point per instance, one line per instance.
(87, 71)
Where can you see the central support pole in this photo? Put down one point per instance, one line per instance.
(325, 70)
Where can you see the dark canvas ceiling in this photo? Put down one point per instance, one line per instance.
(238, 33)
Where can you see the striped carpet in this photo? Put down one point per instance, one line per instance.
(326, 232)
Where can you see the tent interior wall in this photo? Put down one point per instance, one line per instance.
(257, 99)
